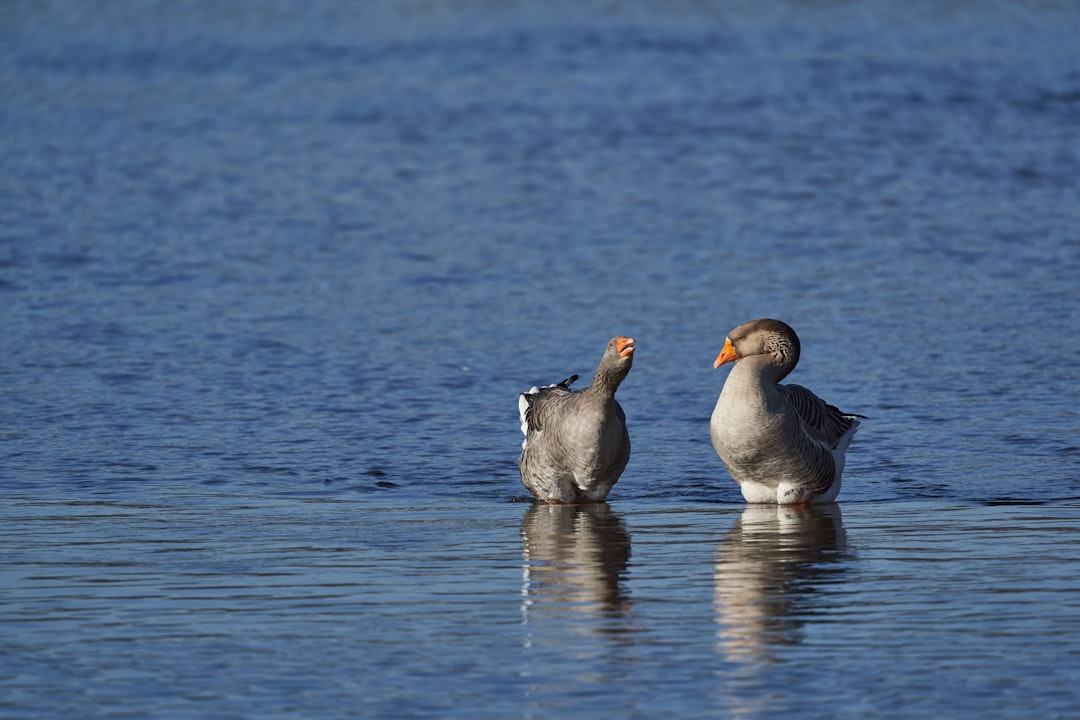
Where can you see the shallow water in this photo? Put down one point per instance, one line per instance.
(222, 605)
(273, 274)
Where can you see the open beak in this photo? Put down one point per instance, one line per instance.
(726, 355)
(625, 346)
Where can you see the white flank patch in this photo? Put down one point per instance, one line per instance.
(523, 405)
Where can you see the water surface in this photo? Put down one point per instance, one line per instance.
(273, 274)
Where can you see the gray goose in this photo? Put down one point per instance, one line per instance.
(781, 443)
(576, 444)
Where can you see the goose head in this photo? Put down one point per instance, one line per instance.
(774, 340)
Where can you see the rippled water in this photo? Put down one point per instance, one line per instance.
(273, 274)
(209, 605)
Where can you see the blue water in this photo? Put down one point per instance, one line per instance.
(273, 273)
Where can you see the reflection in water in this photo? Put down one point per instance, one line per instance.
(768, 572)
(575, 559)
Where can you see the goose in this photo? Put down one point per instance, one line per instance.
(576, 444)
(781, 443)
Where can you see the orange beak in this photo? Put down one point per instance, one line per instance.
(726, 355)
(625, 346)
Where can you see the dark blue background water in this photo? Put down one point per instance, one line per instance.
(272, 275)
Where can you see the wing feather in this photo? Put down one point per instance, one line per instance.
(823, 421)
(531, 404)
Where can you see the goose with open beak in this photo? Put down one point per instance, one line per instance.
(576, 444)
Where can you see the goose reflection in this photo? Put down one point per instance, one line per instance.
(575, 558)
(768, 575)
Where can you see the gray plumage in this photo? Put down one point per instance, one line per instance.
(576, 444)
(781, 443)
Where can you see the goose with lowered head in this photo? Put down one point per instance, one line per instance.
(781, 443)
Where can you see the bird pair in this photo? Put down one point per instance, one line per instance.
(781, 443)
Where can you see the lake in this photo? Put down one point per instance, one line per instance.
(273, 274)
